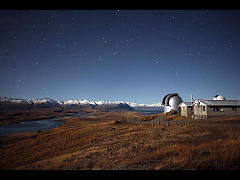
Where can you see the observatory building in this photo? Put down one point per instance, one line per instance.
(171, 101)
(218, 106)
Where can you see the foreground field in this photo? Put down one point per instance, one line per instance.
(105, 142)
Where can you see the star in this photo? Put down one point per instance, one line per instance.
(19, 80)
(114, 53)
(172, 18)
(99, 58)
(230, 45)
(118, 12)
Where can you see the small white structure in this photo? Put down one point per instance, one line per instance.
(219, 97)
(186, 108)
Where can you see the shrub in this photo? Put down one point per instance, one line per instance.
(117, 122)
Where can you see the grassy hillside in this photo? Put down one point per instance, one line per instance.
(104, 142)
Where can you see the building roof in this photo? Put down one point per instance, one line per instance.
(185, 104)
(220, 102)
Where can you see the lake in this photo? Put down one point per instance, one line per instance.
(151, 112)
(35, 125)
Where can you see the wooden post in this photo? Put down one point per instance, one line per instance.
(167, 123)
(139, 122)
(152, 123)
(188, 122)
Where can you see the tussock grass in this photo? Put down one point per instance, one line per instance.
(103, 142)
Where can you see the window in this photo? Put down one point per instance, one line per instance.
(203, 108)
(234, 108)
(218, 109)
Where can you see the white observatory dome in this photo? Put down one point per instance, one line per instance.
(171, 101)
(219, 97)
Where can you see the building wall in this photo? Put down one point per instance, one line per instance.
(209, 111)
(186, 111)
(199, 110)
(226, 111)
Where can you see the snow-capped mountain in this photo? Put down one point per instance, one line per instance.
(43, 101)
(155, 104)
(141, 105)
(60, 102)
(109, 102)
(5, 100)
(79, 102)
(51, 102)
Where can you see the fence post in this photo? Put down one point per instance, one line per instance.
(188, 122)
(152, 124)
(167, 123)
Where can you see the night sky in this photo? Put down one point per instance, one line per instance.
(136, 56)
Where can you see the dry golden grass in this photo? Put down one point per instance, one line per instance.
(104, 142)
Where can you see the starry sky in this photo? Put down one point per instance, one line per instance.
(129, 55)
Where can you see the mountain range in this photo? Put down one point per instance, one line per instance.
(51, 102)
